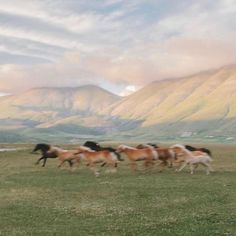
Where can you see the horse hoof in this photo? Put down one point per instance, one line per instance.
(97, 174)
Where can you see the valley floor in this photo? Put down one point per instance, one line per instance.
(51, 201)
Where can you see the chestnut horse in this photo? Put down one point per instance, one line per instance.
(96, 147)
(165, 155)
(92, 157)
(134, 154)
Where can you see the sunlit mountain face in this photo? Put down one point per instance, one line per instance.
(201, 106)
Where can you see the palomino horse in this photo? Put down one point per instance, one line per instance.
(49, 151)
(134, 154)
(92, 157)
(96, 147)
(66, 155)
(193, 159)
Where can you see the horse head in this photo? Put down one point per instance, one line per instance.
(43, 147)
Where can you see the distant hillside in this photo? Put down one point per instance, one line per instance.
(199, 106)
(74, 109)
(201, 103)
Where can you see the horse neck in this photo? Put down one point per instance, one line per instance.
(43, 150)
(128, 147)
(187, 153)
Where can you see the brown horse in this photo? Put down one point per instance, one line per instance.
(148, 155)
(165, 155)
(92, 157)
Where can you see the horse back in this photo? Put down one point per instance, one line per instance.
(163, 153)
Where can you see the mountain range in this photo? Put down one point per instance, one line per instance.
(200, 106)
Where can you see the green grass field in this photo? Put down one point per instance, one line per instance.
(51, 201)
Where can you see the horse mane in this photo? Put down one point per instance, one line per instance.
(43, 147)
(153, 145)
(206, 151)
(85, 148)
(92, 145)
(123, 146)
(148, 145)
(179, 146)
(190, 148)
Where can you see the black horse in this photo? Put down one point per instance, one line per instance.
(190, 148)
(46, 153)
(96, 147)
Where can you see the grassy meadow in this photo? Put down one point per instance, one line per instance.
(51, 201)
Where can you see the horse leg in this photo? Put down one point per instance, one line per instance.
(37, 162)
(208, 168)
(103, 164)
(70, 163)
(133, 166)
(162, 164)
(192, 167)
(148, 162)
(170, 163)
(78, 160)
(44, 161)
(113, 165)
(93, 168)
(61, 163)
(182, 167)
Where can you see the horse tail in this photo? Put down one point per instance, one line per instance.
(208, 152)
(118, 156)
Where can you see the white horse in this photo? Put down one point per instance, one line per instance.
(193, 159)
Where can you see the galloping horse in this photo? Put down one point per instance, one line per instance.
(96, 147)
(165, 155)
(134, 154)
(193, 159)
(48, 151)
(92, 157)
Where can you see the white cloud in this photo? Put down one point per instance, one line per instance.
(128, 90)
(112, 40)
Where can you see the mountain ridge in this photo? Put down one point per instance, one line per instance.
(185, 104)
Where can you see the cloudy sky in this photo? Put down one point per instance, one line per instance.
(120, 45)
